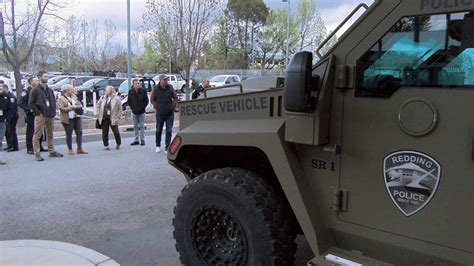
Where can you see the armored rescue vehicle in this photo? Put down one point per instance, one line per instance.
(369, 153)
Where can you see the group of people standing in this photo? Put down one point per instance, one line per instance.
(40, 106)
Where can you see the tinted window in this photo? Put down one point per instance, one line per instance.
(115, 82)
(424, 51)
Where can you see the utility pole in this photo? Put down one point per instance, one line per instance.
(129, 46)
(84, 25)
(288, 33)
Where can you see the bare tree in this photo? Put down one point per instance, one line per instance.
(100, 46)
(19, 30)
(312, 29)
(192, 20)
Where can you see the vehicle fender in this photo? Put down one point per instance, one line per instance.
(268, 136)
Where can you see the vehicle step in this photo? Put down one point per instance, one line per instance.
(340, 257)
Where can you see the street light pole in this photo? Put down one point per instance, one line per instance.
(288, 33)
(84, 25)
(129, 44)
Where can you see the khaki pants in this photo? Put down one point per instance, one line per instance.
(40, 123)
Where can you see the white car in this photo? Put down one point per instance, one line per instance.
(178, 83)
(223, 80)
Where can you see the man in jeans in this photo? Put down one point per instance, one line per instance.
(138, 101)
(43, 104)
(164, 99)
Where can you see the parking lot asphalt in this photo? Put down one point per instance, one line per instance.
(119, 202)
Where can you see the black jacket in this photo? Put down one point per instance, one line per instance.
(137, 101)
(5, 108)
(197, 92)
(37, 101)
(23, 102)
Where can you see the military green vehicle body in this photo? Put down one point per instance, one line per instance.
(380, 115)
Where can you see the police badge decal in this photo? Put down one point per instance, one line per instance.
(411, 179)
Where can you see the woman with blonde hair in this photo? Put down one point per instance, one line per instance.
(70, 115)
(109, 113)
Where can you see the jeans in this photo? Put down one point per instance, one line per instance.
(12, 138)
(42, 122)
(161, 119)
(139, 126)
(75, 125)
(106, 123)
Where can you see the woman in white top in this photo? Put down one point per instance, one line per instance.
(70, 114)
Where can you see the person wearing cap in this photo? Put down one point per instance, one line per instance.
(164, 99)
(70, 115)
(138, 100)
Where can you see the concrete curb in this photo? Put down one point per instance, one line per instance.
(44, 252)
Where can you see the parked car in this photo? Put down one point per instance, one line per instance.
(147, 84)
(222, 80)
(69, 80)
(175, 80)
(55, 79)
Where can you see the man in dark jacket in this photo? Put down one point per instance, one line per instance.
(4, 109)
(138, 101)
(43, 104)
(201, 88)
(29, 116)
(10, 134)
(164, 99)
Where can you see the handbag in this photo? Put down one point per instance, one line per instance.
(97, 124)
(80, 111)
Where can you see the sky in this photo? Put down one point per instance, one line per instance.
(332, 11)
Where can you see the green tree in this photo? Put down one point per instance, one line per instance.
(246, 16)
(149, 61)
(271, 43)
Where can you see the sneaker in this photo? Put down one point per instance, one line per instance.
(38, 158)
(81, 151)
(157, 149)
(135, 143)
(117, 147)
(30, 152)
(55, 154)
(107, 148)
(142, 143)
(2, 162)
(71, 152)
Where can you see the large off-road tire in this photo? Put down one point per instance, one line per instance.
(231, 216)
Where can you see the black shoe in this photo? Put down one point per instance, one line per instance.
(55, 154)
(43, 149)
(38, 158)
(30, 152)
(9, 149)
(135, 143)
(142, 143)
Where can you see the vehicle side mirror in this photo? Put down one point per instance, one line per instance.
(227, 82)
(298, 84)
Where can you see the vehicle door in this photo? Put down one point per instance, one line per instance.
(407, 145)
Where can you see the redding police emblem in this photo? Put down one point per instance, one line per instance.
(411, 179)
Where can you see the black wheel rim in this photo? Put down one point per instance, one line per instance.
(218, 237)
